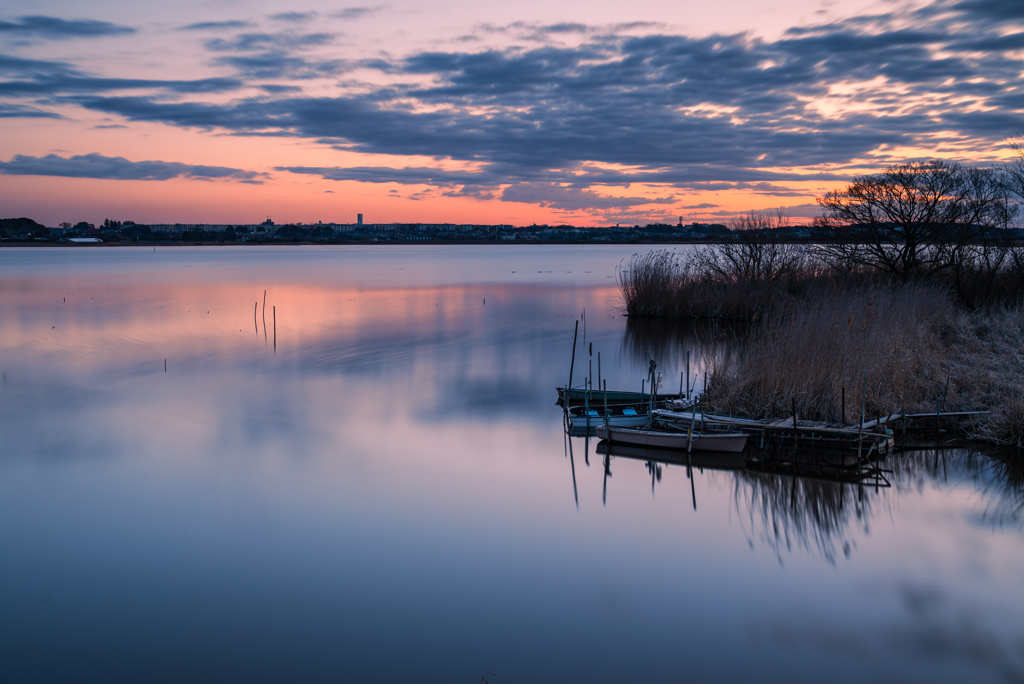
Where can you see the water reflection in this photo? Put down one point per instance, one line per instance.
(392, 476)
(673, 342)
(824, 514)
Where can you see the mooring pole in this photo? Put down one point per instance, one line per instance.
(860, 432)
(687, 372)
(794, 424)
(572, 363)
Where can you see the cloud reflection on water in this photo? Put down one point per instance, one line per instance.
(394, 474)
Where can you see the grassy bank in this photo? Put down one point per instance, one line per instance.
(818, 330)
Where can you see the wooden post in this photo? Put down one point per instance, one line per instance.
(687, 373)
(794, 423)
(256, 325)
(598, 370)
(860, 431)
(589, 383)
(275, 327)
(572, 362)
(842, 418)
(586, 404)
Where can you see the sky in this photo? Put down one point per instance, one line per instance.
(459, 111)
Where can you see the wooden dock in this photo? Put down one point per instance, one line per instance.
(875, 437)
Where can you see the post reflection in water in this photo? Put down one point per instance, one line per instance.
(383, 500)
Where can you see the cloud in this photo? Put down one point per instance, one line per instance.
(272, 55)
(69, 83)
(554, 196)
(997, 10)
(45, 77)
(714, 113)
(118, 168)
(279, 64)
(382, 174)
(350, 13)
(247, 42)
(802, 210)
(15, 111)
(216, 25)
(294, 17)
(54, 28)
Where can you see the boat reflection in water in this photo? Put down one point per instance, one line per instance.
(821, 510)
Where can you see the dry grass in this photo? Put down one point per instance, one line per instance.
(817, 331)
(813, 348)
(667, 284)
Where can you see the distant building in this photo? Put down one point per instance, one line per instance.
(359, 220)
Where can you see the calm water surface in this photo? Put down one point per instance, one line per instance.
(374, 486)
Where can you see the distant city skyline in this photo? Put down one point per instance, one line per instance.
(456, 112)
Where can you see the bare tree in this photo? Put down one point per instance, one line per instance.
(914, 218)
(757, 253)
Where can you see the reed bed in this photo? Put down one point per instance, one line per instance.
(818, 333)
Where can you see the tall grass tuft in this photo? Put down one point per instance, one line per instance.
(955, 343)
(810, 349)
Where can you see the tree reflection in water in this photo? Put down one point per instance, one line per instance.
(823, 517)
(818, 515)
(783, 511)
(668, 341)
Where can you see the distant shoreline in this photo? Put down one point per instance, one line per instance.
(271, 243)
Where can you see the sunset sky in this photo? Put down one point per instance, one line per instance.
(229, 111)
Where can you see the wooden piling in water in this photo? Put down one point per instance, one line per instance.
(796, 436)
(572, 363)
(687, 373)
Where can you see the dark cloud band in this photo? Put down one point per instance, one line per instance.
(55, 28)
(117, 168)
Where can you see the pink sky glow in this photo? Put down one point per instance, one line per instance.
(466, 112)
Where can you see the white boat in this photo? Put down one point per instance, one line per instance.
(729, 442)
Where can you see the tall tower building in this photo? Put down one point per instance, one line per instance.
(359, 219)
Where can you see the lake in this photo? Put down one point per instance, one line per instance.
(366, 479)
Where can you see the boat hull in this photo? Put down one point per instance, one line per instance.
(597, 397)
(579, 427)
(727, 442)
(714, 460)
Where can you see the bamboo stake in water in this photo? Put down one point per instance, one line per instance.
(256, 325)
(860, 432)
(572, 363)
(275, 328)
(794, 424)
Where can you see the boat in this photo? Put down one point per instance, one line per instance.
(578, 396)
(714, 460)
(722, 441)
(873, 435)
(584, 421)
